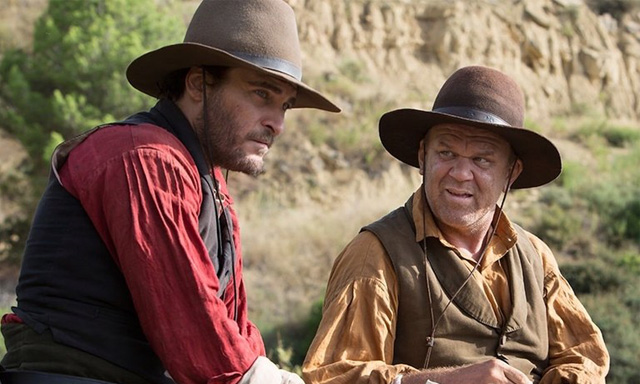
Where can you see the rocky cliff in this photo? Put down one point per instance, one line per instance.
(567, 59)
(565, 56)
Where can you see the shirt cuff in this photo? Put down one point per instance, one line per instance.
(398, 380)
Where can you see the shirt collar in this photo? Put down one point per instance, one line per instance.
(503, 240)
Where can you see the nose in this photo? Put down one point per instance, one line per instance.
(275, 122)
(461, 169)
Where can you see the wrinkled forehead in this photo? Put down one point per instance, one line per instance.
(460, 133)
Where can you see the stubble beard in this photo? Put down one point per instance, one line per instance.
(468, 219)
(220, 142)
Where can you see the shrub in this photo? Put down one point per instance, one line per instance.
(613, 134)
(572, 176)
(616, 8)
(619, 329)
(288, 343)
(593, 276)
(621, 136)
(73, 78)
(564, 222)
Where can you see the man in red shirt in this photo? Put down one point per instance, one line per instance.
(132, 272)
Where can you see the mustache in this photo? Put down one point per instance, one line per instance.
(266, 136)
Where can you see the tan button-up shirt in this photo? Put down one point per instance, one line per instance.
(355, 340)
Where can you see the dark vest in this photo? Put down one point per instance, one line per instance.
(69, 282)
(469, 331)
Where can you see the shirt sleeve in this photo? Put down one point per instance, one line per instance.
(354, 342)
(144, 203)
(577, 352)
(247, 328)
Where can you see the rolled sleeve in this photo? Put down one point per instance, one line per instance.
(143, 195)
(355, 339)
(577, 352)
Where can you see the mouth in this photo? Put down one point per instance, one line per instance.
(264, 140)
(459, 194)
(262, 144)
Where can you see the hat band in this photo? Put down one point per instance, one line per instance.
(473, 114)
(271, 63)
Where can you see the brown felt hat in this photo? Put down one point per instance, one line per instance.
(256, 34)
(479, 97)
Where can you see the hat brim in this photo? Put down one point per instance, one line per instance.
(402, 130)
(146, 72)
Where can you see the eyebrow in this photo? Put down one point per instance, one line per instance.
(273, 88)
(266, 84)
(487, 147)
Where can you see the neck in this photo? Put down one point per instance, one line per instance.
(469, 240)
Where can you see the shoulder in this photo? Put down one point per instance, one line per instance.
(363, 255)
(117, 141)
(549, 262)
(363, 261)
(122, 138)
(119, 150)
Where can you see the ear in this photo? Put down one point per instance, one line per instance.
(421, 152)
(517, 170)
(193, 84)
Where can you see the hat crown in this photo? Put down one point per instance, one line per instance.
(260, 35)
(482, 93)
(477, 97)
(254, 30)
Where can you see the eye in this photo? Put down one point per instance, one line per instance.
(287, 106)
(446, 154)
(482, 161)
(262, 93)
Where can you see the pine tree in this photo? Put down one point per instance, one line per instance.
(74, 77)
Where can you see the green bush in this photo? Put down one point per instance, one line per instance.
(619, 328)
(591, 218)
(593, 276)
(287, 344)
(613, 134)
(572, 176)
(563, 221)
(616, 8)
(621, 136)
(626, 220)
(70, 80)
(73, 78)
(617, 205)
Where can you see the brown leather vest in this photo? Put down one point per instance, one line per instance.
(469, 332)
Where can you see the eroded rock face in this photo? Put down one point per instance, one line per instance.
(564, 56)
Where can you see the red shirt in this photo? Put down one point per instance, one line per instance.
(141, 189)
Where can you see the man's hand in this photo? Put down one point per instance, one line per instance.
(491, 371)
(290, 378)
(264, 371)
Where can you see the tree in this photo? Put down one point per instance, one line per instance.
(73, 79)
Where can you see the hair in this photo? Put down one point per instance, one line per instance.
(172, 85)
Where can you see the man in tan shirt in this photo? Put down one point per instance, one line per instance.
(446, 289)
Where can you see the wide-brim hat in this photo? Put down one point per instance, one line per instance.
(480, 97)
(256, 34)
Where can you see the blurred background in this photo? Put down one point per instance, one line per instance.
(62, 68)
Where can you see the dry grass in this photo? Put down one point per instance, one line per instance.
(289, 252)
